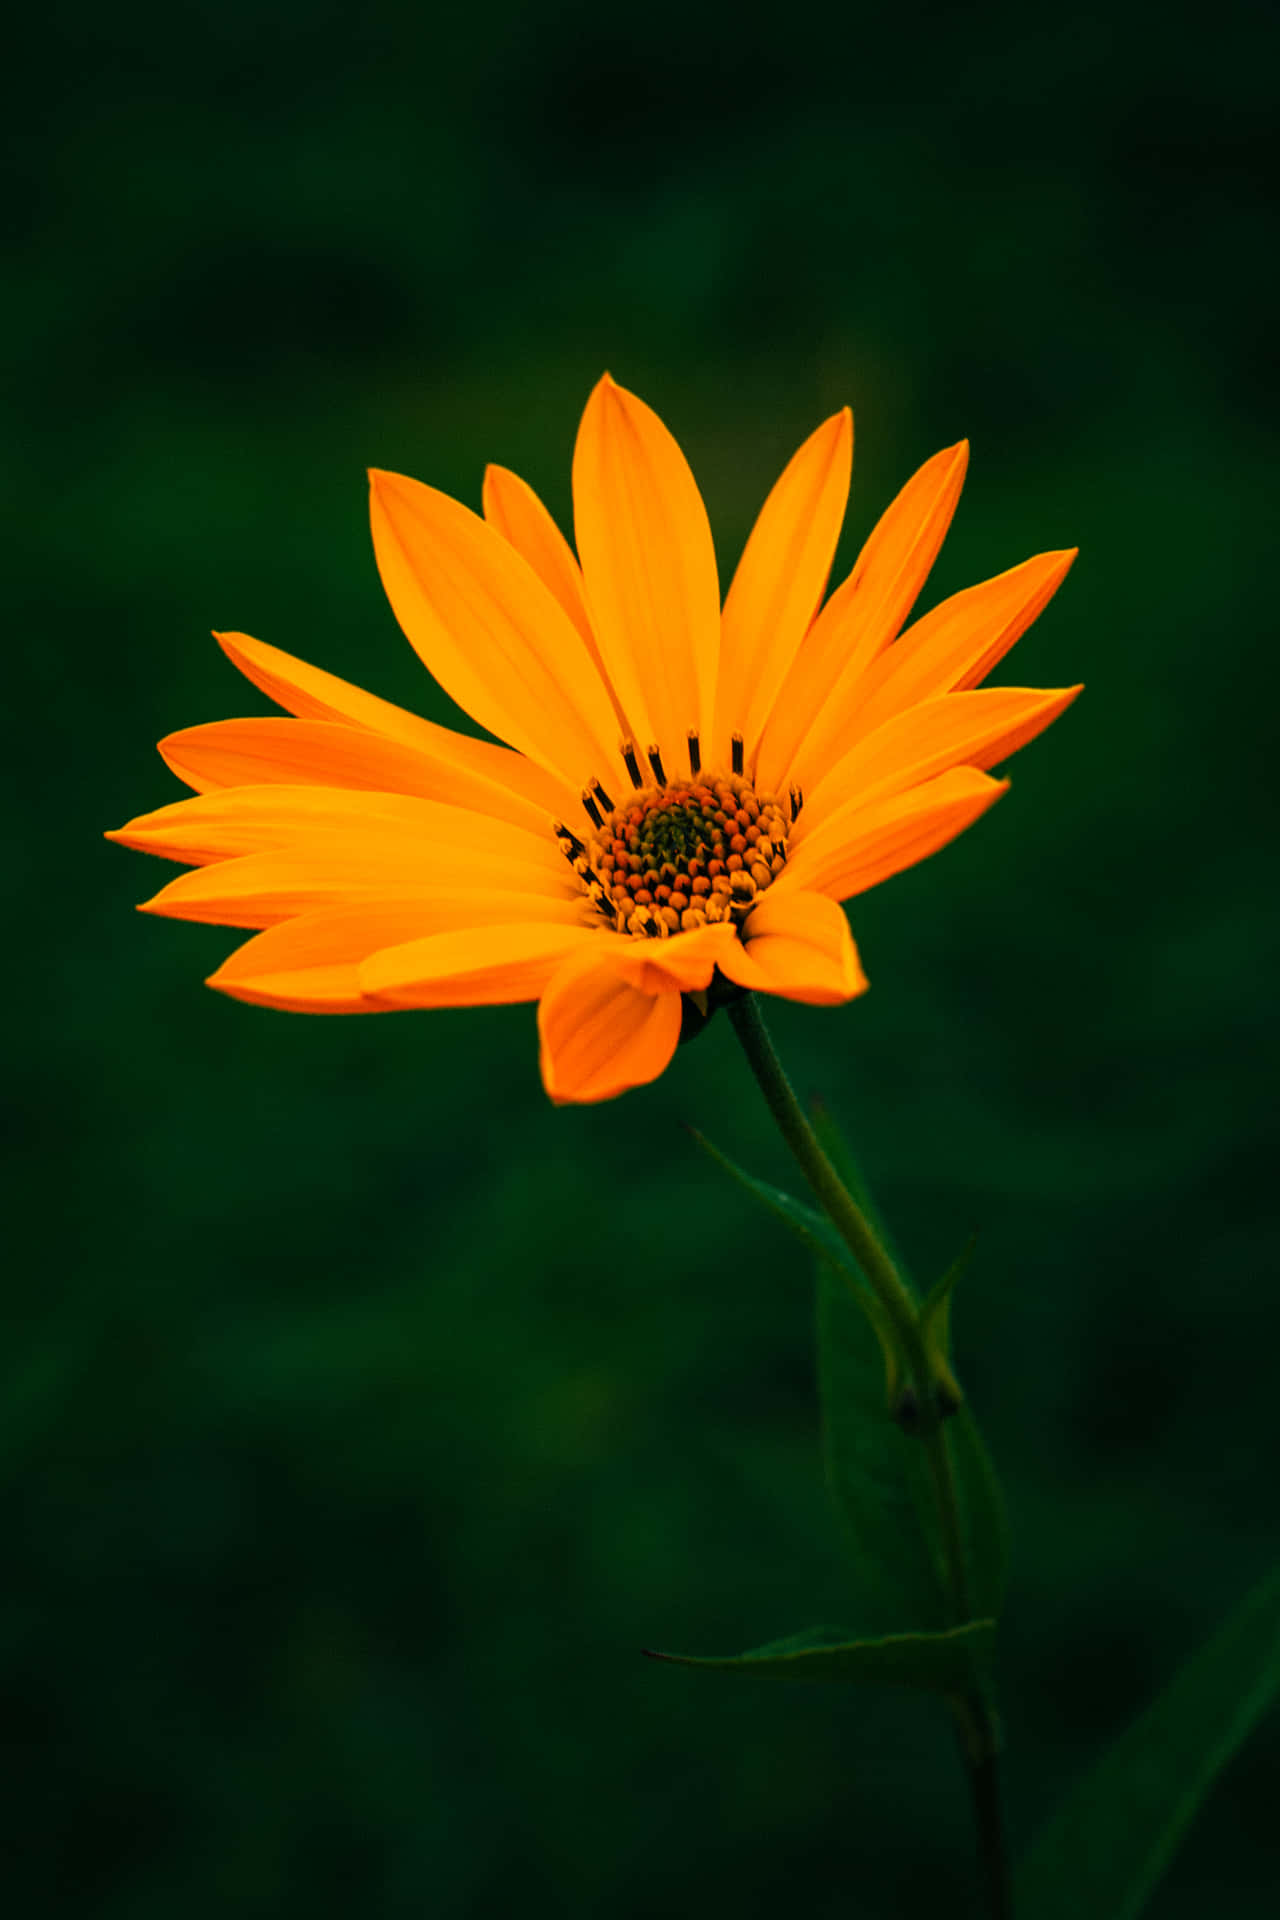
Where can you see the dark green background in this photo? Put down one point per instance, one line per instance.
(363, 1416)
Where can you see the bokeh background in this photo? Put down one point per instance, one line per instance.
(362, 1416)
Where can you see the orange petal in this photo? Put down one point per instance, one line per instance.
(781, 579)
(798, 945)
(650, 571)
(261, 889)
(485, 966)
(857, 846)
(396, 827)
(311, 964)
(683, 964)
(862, 616)
(514, 510)
(600, 1034)
(958, 643)
(313, 694)
(955, 729)
(489, 631)
(467, 773)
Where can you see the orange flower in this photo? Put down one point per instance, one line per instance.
(686, 794)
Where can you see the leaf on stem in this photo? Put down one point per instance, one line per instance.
(935, 1318)
(878, 1476)
(1104, 1850)
(817, 1233)
(934, 1662)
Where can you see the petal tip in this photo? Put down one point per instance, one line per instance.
(383, 482)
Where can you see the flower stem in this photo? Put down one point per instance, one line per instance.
(975, 1719)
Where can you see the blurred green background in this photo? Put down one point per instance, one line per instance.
(363, 1416)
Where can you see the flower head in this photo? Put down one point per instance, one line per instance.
(686, 794)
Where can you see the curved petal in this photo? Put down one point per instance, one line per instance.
(311, 964)
(954, 729)
(797, 945)
(859, 846)
(861, 617)
(682, 964)
(313, 694)
(262, 889)
(599, 1034)
(484, 966)
(650, 570)
(781, 579)
(398, 827)
(958, 643)
(325, 753)
(489, 631)
(514, 510)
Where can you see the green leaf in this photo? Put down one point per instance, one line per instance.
(982, 1515)
(935, 1312)
(878, 1476)
(868, 1467)
(1104, 1850)
(935, 1327)
(810, 1226)
(879, 1480)
(936, 1662)
(818, 1234)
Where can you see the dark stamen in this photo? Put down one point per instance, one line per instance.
(570, 845)
(603, 801)
(797, 801)
(628, 752)
(655, 761)
(737, 752)
(588, 802)
(695, 752)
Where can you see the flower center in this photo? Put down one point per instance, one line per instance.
(684, 853)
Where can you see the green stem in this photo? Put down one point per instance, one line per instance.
(979, 1740)
(850, 1221)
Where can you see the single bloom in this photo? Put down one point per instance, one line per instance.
(686, 792)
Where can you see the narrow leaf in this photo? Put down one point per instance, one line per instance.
(938, 1295)
(1104, 1850)
(810, 1226)
(935, 1322)
(880, 1483)
(936, 1662)
(818, 1234)
(841, 1155)
(982, 1515)
(878, 1476)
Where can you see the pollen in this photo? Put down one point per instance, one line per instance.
(686, 853)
